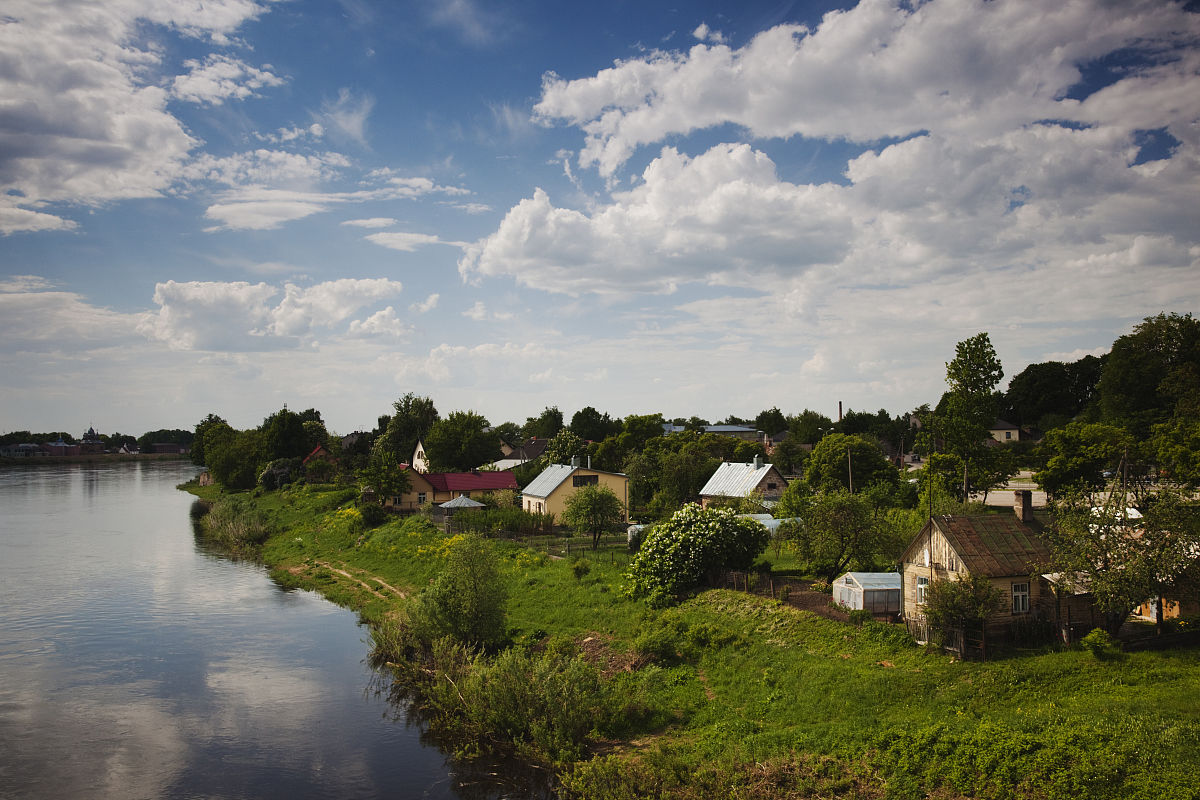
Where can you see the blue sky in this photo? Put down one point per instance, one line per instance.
(704, 208)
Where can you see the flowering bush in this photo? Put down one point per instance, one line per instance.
(680, 553)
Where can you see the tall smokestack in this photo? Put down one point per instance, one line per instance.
(839, 410)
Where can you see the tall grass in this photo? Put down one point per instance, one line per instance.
(234, 523)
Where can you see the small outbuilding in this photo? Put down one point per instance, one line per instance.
(877, 592)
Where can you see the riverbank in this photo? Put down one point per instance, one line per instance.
(735, 695)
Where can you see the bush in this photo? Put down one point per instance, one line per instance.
(695, 543)
(373, 514)
(581, 567)
(860, 615)
(1101, 644)
(467, 600)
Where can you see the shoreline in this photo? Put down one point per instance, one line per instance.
(92, 458)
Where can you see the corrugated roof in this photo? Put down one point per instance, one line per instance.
(875, 580)
(734, 480)
(994, 545)
(471, 481)
(548, 481)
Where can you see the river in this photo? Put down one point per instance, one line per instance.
(134, 664)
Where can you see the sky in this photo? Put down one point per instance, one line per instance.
(704, 208)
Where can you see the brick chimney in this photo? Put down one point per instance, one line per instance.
(1023, 505)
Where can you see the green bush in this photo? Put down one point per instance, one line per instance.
(581, 567)
(858, 616)
(373, 514)
(1101, 644)
(694, 544)
(467, 600)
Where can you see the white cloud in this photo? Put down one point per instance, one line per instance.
(477, 312)
(473, 208)
(84, 121)
(262, 215)
(268, 168)
(879, 70)
(373, 222)
(426, 305)
(238, 317)
(478, 24)
(383, 323)
(707, 34)
(348, 114)
(36, 318)
(313, 131)
(715, 218)
(408, 242)
(218, 78)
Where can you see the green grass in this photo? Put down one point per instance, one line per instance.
(734, 695)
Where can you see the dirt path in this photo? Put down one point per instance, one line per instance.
(360, 577)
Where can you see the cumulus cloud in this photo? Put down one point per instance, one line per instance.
(712, 218)
(383, 323)
(82, 122)
(218, 78)
(241, 317)
(881, 70)
(313, 131)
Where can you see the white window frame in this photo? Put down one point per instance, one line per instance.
(922, 585)
(420, 498)
(1020, 598)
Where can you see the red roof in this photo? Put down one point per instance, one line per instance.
(471, 481)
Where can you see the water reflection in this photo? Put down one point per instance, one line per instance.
(134, 663)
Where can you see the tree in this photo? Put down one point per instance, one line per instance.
(1051, 391)
(202, 428)
(234, 458)
(563, 447)
(1176, 446)
(467, 599)
(971, 405)
(461, 442)
(1077, 455)
(509, 433)
(592, 426)
(694, 544)
(384, 475)
(1143, 372)
(771, 421)
(414, 418)
(595, 510)
(808, 427)
(838, 530)
(1120, 559)
(147, 440)
(284, 435)
(545, 425)
(788, 456)
(959, 604)
(838, 459)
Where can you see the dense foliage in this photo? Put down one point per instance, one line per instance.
(679, 554)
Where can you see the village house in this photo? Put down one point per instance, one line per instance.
(1009, 551)
(740, 480)
(549, 492)
(442, 487)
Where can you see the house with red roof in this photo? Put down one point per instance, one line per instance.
(442, 487)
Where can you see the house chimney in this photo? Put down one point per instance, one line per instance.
(575, 461)
(1023, 505)
(758, 462)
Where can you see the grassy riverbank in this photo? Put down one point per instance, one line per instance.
(731, 695)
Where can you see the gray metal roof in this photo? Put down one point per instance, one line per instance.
(462, 501)
(875, 580)
(734, 480)
(548, 481)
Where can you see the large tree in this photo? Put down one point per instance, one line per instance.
(841, 461)
(284, 435)
(1051, 393)
(205, 425)
(1078, 454)
(590, 425)
(544, 426)
(838, 530)
(413, 418)
(565, 446)
(461, 442)
(1147, 369)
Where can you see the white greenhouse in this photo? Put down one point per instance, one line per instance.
(877, 592)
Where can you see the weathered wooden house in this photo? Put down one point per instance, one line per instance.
(1009, 551)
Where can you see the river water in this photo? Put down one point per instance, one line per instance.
(134, 664)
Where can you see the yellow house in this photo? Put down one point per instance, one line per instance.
(549, 492)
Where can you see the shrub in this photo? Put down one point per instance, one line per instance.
(373, 514)
(822, 586)
(581, 567)
(1101, 644)
(695, 543)
(860, 615)
(950, 605)
(467, 600)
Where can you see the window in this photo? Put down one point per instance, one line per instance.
(585, 480)
(420, 498)
(922, 585)
(771, 486)
(1020, 595)
(1008, 434)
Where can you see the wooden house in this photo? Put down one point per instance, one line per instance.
(1005, 548)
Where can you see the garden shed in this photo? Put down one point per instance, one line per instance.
(877, 592)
